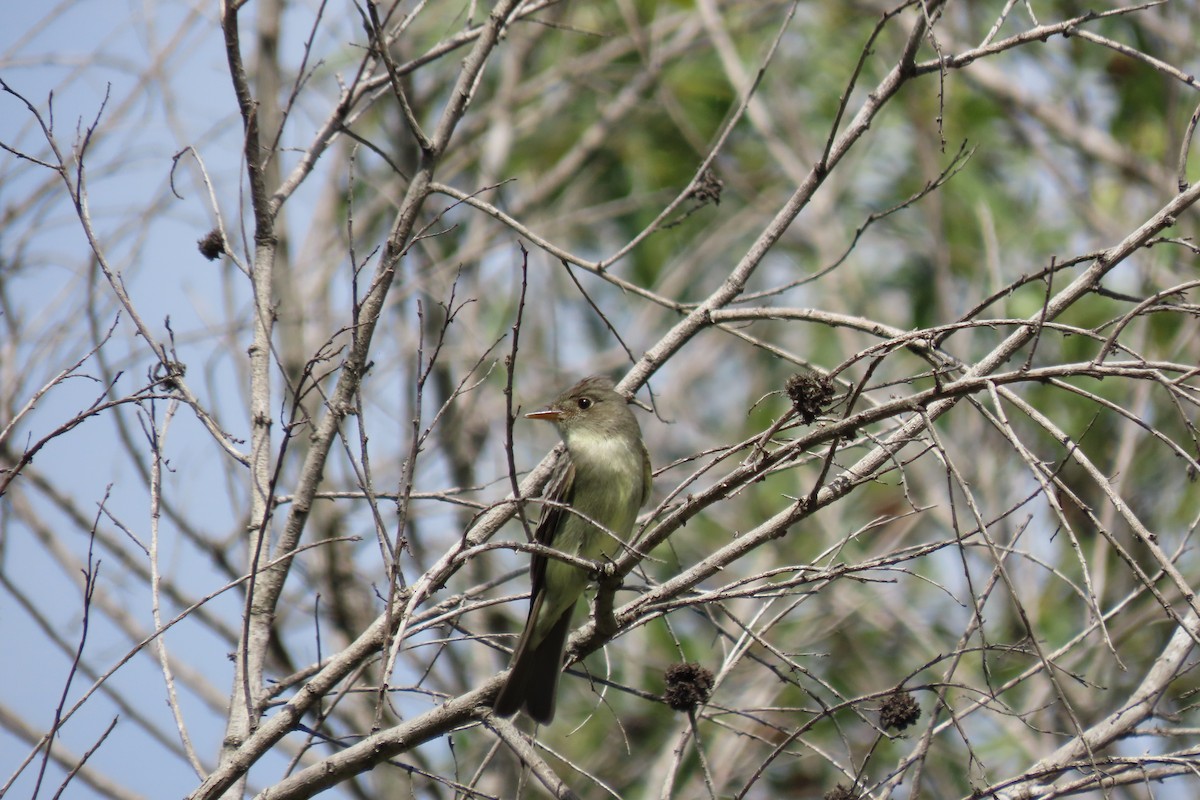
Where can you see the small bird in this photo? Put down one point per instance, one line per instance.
(606, 478)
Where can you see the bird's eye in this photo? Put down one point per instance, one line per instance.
(585, 403)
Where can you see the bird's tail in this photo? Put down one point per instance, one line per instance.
(532, 681)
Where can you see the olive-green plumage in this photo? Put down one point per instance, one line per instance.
(605, 478)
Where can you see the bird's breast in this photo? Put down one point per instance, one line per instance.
(608, 481)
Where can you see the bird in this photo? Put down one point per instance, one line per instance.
(604, 477)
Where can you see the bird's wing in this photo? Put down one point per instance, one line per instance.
(647, 476)
(559, 491)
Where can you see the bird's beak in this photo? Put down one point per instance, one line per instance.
(552, 414)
